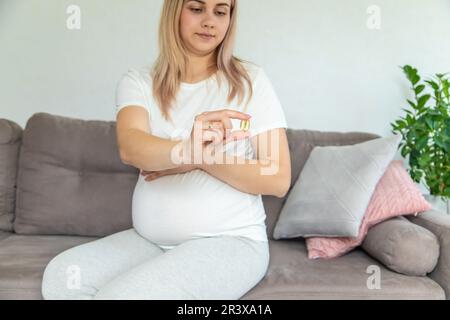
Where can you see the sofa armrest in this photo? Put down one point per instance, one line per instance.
(10, 143)
(438, 223)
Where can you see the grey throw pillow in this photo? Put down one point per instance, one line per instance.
(331, 196)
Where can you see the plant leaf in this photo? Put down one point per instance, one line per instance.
(419, 89)
(412, 104)
(438, 140)
(433, 84)
(407, 111)
(411, 74)
(430, 123)
(423, 100)
(445, 88)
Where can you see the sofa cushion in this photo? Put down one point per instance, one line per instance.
(4, 234)
(291, 275)
(403, 246)
(71, 180)
(23, 259)
(10, 140)
(301, 143)
(334, 189)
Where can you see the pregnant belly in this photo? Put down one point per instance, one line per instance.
(172, 209)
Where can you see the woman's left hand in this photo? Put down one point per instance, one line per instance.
(152, 175)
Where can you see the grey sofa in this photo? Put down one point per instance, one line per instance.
(62, 184)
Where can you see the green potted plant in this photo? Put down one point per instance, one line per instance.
(426, 135)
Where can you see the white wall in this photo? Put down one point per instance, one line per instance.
(331, 71)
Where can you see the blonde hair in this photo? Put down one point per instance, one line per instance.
(171, 64)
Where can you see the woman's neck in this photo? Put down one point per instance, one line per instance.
(200, 68)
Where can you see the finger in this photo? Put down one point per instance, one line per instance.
(224, 114)
(212, 125)
(216, 121)
(226, 121)
(213, 135)
(155, 174)
(237, 114)
(161, 174)
(237, 135)
(218, 136)
(148, 174)
(219, 132)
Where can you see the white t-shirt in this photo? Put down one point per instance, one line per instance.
(176, 208)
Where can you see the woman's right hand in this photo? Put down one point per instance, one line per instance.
(214, 128)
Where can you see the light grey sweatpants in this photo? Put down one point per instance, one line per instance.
(127, 266)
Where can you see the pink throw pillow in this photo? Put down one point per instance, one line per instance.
(396, 194)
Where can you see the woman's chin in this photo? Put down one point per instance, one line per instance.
(204, 48)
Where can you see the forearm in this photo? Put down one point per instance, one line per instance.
(148, 152)
(250, 176)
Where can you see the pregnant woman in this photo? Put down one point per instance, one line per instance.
(198, 225)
